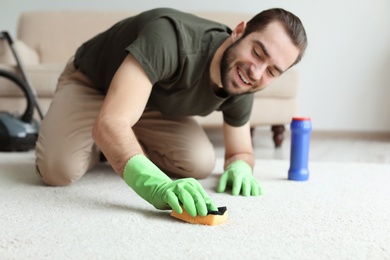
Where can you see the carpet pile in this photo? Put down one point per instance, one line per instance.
(342, 212)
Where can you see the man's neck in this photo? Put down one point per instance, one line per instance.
(219, 91)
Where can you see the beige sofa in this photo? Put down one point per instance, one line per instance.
(45, 40)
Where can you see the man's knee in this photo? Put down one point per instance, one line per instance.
(197, 164)
(56, 172)
(202, 166)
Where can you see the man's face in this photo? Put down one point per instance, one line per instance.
(252, 63)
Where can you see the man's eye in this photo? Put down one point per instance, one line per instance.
(256, 53)
(271, 73)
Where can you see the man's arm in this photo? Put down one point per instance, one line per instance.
(238, 144)
(239, 162)
(123, 106)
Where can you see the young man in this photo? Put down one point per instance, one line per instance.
(131, 91)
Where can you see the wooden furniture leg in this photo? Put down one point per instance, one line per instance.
(278, 137)
(252, 131)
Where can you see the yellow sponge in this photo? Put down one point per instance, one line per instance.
(212, 218)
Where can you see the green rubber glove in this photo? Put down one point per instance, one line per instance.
(148, 181)
(238, 175)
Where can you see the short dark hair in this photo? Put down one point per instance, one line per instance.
(292, 24)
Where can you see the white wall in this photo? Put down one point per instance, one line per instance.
(346, 71)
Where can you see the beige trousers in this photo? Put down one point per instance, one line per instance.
(65, 150)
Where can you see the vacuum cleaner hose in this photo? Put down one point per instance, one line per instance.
(29, 112)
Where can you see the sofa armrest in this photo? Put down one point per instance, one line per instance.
(27, 55)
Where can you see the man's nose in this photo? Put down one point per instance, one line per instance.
(257, 71)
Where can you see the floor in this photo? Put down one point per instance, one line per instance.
(324, 146)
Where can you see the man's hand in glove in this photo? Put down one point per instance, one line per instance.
(238, 176)
(148, 181)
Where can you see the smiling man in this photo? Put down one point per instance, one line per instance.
(256, 59)
(131, 91)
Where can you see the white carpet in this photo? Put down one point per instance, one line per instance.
(342, 212)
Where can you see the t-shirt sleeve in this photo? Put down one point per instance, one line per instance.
(156, 49)
(237, 110)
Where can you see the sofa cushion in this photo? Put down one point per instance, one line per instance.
(25, 53)
(284, 87)
(41, 30)
(44, 79)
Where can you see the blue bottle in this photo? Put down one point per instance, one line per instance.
(299, 154)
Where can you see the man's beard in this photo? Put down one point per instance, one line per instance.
(228, 58)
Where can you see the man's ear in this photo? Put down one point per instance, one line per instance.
(238, 31)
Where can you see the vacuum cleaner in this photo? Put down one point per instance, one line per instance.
(19, 132)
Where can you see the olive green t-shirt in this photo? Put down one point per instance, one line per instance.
(175, 49)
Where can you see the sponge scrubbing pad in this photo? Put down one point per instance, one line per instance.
(212, 218)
